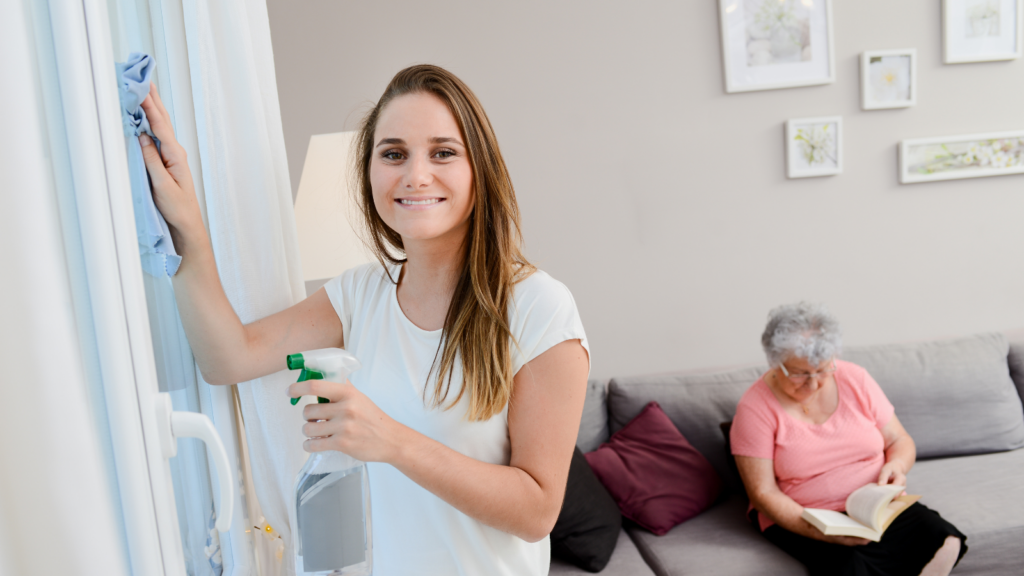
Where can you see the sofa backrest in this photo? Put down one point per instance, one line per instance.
(954, 397)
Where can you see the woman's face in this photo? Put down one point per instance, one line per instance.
(804, 378)
(420, 172)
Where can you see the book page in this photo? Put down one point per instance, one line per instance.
(867, 503)
(832, 519)
(831, 522)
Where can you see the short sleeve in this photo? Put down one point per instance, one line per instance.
(872, 399)
(754, 426)
(345, 290)
(335, 288)
(543, 314)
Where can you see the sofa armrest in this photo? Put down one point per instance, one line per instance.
(1016, 359)
(594, 421)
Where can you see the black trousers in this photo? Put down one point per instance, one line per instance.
(906, 547)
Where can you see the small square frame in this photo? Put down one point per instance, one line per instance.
(793, 170)
(948, 33)
(866, 100)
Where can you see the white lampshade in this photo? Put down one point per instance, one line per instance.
(324, 210)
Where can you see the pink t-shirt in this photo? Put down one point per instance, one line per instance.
(817, 465)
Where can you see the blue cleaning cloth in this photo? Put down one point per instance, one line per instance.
(155, 246)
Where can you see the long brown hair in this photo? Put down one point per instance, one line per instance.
(476, 327)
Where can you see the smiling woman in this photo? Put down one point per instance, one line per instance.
(474, 363)
(422, 189)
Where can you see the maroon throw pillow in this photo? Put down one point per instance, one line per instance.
(655, 476)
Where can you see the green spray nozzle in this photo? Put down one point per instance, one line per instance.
(332, 364)
(295, 362)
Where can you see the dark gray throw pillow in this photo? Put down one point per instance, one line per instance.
(588, 525)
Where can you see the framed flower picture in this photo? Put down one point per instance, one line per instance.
(768, 44)
(814, 147)
(982, 30)
(952, 157)
(888, 79)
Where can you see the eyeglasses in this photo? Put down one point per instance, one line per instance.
(801, 378)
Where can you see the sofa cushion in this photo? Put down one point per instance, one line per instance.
(696, 403)
(953, 396)
(626, 561)
(655, 476)
(719, 541)
(589, 524)
(594, 423)
(983, 496)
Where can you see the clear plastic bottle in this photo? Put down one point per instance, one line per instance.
(331, 512)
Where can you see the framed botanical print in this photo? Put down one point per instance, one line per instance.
(981, 30)
(954, 157)
(888, 79)
(814, 146)
(768, 44)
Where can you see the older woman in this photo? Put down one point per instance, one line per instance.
(812, 430)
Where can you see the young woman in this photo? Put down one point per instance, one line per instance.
(474, 362)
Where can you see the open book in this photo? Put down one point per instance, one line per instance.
(869, 511)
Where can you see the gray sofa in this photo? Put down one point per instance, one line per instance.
(959, 399)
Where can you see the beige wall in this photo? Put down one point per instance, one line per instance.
(661, 201)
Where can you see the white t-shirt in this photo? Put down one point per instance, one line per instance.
(414, 531)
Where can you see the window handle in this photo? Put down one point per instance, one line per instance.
(176, 424)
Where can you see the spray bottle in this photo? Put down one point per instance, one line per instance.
(331, 516)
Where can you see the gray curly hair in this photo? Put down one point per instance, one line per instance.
(803, 330)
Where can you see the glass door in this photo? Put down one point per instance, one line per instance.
(130, 28)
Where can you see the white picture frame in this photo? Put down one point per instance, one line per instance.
(982, 30)
(888, 79)
(967, 156)
(814, 146)
(771, 44)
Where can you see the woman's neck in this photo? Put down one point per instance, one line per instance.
(432, 264)
(428, 279)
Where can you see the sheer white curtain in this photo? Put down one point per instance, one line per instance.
(57, 511)
(215, 73)
(248, 205)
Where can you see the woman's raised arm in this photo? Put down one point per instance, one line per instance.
(226, 350)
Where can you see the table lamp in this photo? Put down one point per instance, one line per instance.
(325, 211)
